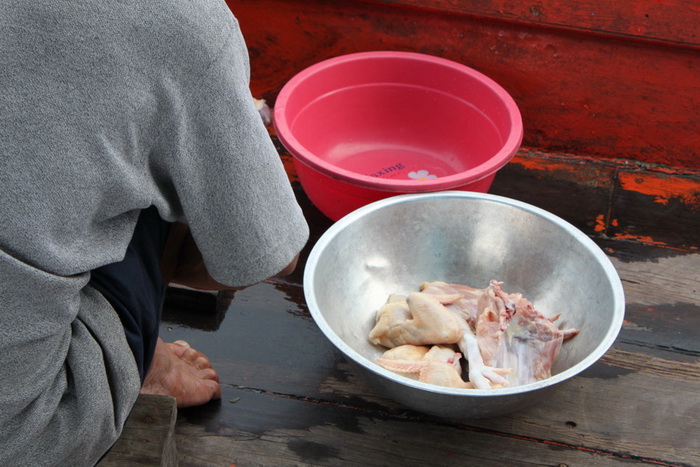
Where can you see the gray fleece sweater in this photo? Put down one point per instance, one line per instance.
(107, 108)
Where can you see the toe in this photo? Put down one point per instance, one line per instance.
(209, 374)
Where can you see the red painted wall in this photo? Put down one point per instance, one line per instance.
(593, 78)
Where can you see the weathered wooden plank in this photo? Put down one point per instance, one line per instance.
(272, 430)
(615, 409)
(663, 302)
(656, 208)
(579, 93)
(643, 363)
(254, 426)
(577, 189)
(676, 21)
(148, 437)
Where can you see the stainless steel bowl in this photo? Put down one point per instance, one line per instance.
(393, 245)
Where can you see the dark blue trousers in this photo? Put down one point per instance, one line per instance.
(135, 288)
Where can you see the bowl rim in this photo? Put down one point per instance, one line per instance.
(330, 234)
(301, 154)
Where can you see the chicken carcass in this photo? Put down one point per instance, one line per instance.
(512, 333)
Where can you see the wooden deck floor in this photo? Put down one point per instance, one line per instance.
(289, 398)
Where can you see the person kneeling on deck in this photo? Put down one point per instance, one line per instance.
(131, 154)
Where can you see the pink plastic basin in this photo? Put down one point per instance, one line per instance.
(370, 125)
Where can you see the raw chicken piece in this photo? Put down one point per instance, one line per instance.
(418, 320)
(496, 308)
(460, 299)
(407, 352)
(498, 333)
(389, 319)
(439, 365)
(464, 304)
(512, 333)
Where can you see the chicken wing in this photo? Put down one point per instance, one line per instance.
(439, 365)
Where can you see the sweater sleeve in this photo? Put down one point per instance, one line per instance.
(229, 181)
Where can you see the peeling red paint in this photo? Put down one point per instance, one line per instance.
(639, 238)
(663, 187)
(542, 163)
(577, 169)
(646, 240)
(595, 171)
(600, 225)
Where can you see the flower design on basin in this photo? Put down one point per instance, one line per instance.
(421, 175)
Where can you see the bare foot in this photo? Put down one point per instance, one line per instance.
(180, 371)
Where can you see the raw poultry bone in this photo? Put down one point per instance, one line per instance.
(505, 340)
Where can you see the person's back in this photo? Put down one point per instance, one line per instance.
(107, 108)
